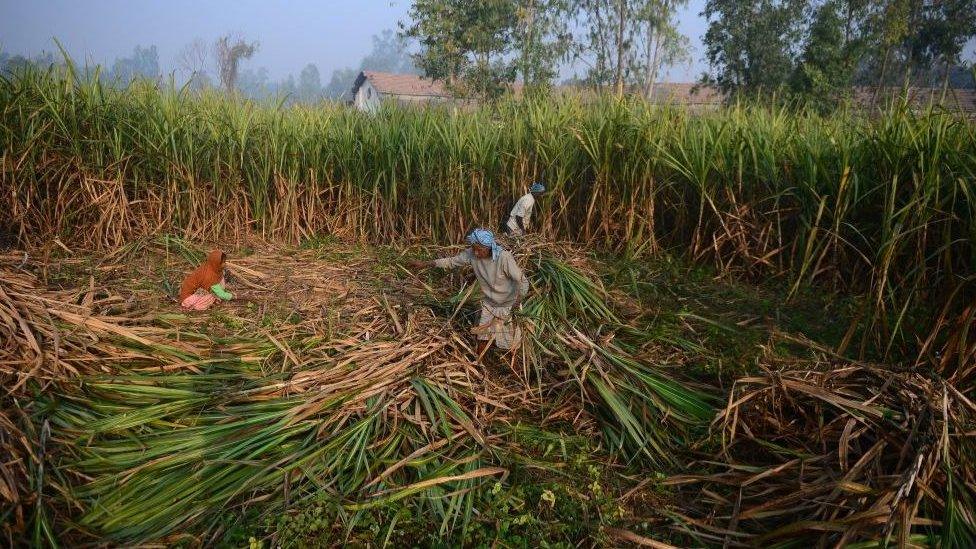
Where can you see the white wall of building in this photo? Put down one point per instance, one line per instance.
(367, 98)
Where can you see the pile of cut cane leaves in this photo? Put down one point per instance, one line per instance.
(341, 377)
(154, 428)
(840, 455)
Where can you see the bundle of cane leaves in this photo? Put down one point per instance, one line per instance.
(836, 455)
(644, 410)
(162, 454)
(570, 296)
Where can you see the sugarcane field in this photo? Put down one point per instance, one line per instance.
(480, 308)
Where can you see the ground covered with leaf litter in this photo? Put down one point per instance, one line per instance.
(337, 400)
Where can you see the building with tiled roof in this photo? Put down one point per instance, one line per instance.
(687, 94)
(372, 87)
(951, 99)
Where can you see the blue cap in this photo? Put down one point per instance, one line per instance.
(485, 238)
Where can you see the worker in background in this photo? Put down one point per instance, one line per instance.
(518, 219)
(503, 286)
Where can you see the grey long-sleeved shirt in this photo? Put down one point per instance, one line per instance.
(501, 280)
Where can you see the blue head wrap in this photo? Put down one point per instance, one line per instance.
(487, 239)
(537, 187)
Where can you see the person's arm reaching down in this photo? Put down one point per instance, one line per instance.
(453, 262)
(220, 292)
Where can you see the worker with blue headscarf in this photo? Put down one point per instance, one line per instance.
(503, 285)
(518, 218)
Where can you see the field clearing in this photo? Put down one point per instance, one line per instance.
(337, 399)
(875, 206)
(748, 327)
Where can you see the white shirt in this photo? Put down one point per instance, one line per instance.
(501, 280)
(523, 209)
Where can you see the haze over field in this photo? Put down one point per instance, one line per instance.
(331, 35)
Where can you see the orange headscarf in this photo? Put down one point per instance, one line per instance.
(205, 276)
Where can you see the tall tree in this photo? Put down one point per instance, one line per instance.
(437, 26)
(835, 47)
(340, 83)
(609, 40)
(542, 39)
(629, 42)
(753, 45)
(466, 44)
(942, 28)
(194, 62)
(664, 45)
(229, 52)
(890, 26)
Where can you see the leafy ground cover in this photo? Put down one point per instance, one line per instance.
(337, 400)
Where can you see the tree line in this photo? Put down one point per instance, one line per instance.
(481, 49)
(816, 49)
(821, 50)
(198, 62)
(220, 64)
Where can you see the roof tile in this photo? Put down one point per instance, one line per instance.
(406, 84)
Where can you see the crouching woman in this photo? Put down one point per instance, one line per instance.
(205, 285)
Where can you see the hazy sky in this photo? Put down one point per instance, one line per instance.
(329, 33)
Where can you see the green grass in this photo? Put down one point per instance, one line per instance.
(851, 230)
(879, 207)
(165, 456)
(717, 318)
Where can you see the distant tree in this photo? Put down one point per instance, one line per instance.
(42, 60)
(287, 87)
(255, 84)
(144, 63)
(340, 84)
(390, 53)
(309, 84)
(229, 52)
(194, 62)
(753, 45)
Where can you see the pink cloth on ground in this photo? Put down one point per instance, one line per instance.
(201, 300)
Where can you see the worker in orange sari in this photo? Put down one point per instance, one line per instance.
(205, 285)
